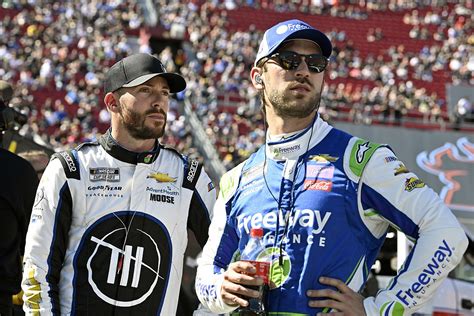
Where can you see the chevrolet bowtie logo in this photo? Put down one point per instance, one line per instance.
(401, 169)
(161, 177)
(323, 158)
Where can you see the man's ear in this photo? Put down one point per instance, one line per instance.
(111, 102)
(257, 78)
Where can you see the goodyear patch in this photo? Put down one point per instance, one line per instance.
(413, 183)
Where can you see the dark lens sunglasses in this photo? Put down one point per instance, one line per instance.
(290, 61)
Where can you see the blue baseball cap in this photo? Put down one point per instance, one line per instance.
(291, 29)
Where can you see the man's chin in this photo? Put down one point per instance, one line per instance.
(157, 129)
(149, 134)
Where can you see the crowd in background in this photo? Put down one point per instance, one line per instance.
(58, 51)
(381, 85)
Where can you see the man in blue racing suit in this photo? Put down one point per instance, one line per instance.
(324, 199)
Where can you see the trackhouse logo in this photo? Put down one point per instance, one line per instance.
(123, 261)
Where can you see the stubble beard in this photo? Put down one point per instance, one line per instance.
(134, 123)
(286, 104)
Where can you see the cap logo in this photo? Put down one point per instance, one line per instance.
(297, 27)
(282, 29)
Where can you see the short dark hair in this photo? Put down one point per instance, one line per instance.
(120, 91)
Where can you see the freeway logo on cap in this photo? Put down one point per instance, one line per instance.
(282, 29)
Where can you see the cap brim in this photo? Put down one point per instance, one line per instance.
(176, 82)
(315, 36)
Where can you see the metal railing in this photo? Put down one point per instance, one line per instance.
(215, 168)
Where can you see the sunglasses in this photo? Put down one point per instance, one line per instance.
(289, 60)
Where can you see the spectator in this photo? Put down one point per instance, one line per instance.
(38, 159)
(17, 194)
(462, 111)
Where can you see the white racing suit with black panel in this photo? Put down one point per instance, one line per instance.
(109, 229)
(325, 200)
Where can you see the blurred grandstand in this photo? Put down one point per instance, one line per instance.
(402, 63)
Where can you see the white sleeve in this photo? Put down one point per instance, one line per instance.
(209, 276)
(218, 251)
(402, 199)
(46, 242)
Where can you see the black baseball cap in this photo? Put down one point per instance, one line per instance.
(137, 69)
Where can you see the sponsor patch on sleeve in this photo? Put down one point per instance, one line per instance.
(390, 159)
(401, 169)
(413, 183)
(210, 186)
(361, 152)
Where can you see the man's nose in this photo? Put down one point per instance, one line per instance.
(303, 69)
(158, 100)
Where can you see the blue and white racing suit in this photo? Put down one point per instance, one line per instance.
(325, 200)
